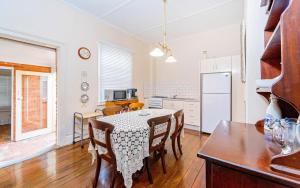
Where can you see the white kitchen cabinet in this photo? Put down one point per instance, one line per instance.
(191, 110)
(222, 64)
(167, 104)
(192, 113)
(173, 104)
(178, 105)
(146, 103)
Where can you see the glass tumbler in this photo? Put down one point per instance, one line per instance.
(288, 135)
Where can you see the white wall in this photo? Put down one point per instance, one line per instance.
(255, 23)
(22, 53)
(238, 91)
(183, 78)
(56, 21)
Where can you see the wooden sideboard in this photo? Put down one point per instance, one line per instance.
(238, 155)
(121, 102)
(281, 55)
(281, 60)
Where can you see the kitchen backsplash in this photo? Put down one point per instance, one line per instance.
(181, 89)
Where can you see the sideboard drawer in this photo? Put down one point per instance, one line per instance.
(220, 176)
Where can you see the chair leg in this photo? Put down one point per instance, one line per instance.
(114, 178)
(97, 172)
(162, 155)
(148, 170)
(174, 148)
(179, 143)
(155, 156)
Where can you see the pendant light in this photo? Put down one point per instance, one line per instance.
(157, 52)
(163, 48)
(171, 59)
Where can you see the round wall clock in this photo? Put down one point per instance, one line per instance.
(84, 53)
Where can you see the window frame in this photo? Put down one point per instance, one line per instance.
(100, 98)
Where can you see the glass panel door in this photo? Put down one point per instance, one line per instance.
(33, 104)
(5, 104)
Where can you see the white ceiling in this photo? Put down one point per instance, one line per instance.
(143, 18)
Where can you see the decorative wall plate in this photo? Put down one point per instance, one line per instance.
(84, 53)
(84, 98)
(85, 86)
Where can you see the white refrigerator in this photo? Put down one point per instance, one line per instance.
(215, 100)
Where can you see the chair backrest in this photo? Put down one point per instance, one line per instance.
(136, 106)
(107, 129)
(179, 116)
(159, 131)
(112, 110)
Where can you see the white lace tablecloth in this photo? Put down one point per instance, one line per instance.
(130, 139)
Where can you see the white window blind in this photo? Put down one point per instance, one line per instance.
(115, 69)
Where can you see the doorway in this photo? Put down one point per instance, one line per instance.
(31, 128)
(5, 105)
(34, 104)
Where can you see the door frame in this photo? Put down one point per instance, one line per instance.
(61, 53)
(50, 105)
(11, 101)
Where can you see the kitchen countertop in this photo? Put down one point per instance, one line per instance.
(183, 99)
(178, 99)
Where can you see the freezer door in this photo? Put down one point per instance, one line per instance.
(215, 107)
(216, 83)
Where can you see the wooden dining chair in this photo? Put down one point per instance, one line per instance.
(179, 116)
(112, 110)
(136, 106)
(106, 144)
(159, 132)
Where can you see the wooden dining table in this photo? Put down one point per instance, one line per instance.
(130, 139)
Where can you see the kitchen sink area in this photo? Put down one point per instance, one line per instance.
(182, 99)
(190, 106)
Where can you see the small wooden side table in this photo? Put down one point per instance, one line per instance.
(81, 117)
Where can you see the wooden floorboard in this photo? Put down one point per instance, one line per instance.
(5, 134)
(71, 167)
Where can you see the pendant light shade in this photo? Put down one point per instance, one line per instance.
(163, 49)
(157, 52)
(171, 59)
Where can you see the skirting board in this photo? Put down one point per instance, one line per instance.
(68, 140)
(192, 127)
